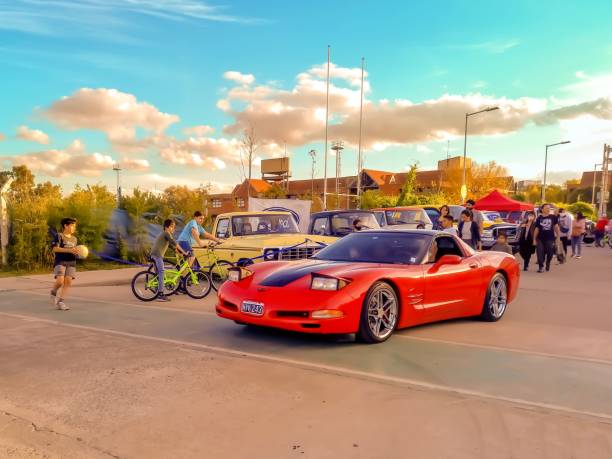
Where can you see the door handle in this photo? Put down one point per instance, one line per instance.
(473, 265)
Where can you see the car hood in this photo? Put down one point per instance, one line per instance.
(279, 274)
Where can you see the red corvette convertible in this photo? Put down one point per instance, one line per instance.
(371, 283)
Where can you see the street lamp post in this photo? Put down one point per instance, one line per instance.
(467, 115)
(546, 165)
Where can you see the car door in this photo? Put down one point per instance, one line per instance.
(449, 288)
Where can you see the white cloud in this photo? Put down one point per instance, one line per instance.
(205, 152)
(32, 135)
(116, 113)
(135, 164)
(73, 160)
(423, 149)
(491, 47)
(199, 131)
(240, 78)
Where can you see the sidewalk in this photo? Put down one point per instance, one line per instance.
(101, 278)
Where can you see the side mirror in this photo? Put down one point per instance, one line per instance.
(445, 260)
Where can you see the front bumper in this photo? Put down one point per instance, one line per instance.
(291, 310)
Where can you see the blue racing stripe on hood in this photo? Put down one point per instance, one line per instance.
(292, 273)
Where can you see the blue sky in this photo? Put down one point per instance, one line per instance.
(134, 74)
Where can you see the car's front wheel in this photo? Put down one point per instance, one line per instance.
(379, 314)
(496, 300)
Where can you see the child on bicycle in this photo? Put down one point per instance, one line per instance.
(160, 246)
(64, 267)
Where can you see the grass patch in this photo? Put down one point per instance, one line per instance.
(92, 264)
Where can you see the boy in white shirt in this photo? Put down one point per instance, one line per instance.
(447, 225)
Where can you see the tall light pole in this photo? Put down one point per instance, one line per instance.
(546, 165)
(338, 146)
(467, 115)
(359, 155)
(326, 131)
(313, 155)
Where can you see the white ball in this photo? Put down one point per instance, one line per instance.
(83, 251)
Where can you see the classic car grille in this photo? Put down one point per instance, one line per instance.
(511, 232)
(298, 253)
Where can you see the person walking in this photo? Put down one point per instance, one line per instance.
(163, 241)
(64, 267)
(545, 236)
(600, 230)
(565, 229)
(468, 230)
(192, 233)
(476, 214)
(439, 223)
(578, 231)
(526, 247)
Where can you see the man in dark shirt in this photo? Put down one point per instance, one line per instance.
(163, 241)
(546, 234)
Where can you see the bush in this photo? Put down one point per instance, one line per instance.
(587, 209)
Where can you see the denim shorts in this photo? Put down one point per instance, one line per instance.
(64, 271)
(186, 246)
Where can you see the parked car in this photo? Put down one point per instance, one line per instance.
(490, 218)
(490, 233)
(403, 218)
(339, 223)
(371, 283)
(261, 236)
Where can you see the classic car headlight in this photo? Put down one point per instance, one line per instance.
(327, 283)
(270, 254)
(236, 274)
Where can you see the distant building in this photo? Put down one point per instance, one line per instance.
(524, 185)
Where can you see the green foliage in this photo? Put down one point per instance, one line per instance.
(518, 197)
(587, 209)
(275, 192)
(407, 196)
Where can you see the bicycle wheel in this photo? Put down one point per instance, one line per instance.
(218, 273)
(197, 285)
(144, 286)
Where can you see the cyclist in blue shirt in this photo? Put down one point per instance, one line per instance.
(192, 234)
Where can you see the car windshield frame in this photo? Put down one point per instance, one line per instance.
(392, 222)
(365, 217)
(255, 220)
(334, 252)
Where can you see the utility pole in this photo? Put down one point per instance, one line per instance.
(605, 183)
(594, 183)
(117, 169)
(313, 155)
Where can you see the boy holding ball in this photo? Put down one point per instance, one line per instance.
(64, 246)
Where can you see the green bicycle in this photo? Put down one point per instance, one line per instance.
(217, 269)
(196, 283)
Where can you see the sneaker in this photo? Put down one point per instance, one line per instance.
(578, 256)
(547, 268)
(163, 298)
(540, 270)
(62, 306)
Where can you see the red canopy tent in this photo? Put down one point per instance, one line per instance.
(497, 201)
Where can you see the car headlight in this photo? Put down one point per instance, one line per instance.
(327, 283)
(236, 274)
(270, 254)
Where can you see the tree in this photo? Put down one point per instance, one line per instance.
(483, 178)
(275, 191)
(407, 196)
(249, 144)
(182, 201)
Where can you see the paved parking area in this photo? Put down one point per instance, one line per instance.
(116, 377)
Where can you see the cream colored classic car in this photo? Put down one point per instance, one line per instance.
(260, 236)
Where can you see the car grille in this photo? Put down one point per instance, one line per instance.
(511, 232)
(298, 253)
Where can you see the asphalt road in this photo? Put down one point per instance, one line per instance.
(549, 358)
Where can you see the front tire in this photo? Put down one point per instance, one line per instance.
(198, 286)
(379, 314)
(496, 300)
(218, 273)
(142, 288)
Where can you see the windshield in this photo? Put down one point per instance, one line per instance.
(344, 222)
(405, 216)
(492, 216)
(246, 225)
(378, 247)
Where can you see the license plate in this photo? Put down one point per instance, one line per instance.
(253, 308)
